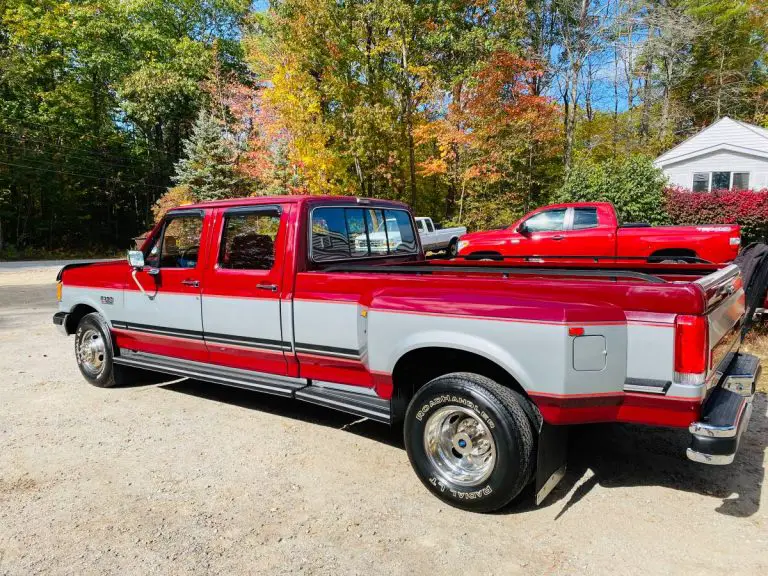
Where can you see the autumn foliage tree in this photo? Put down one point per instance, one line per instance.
(496, 146)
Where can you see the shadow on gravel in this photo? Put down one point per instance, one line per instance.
(617, 455)
(290, 408)
(632, 455)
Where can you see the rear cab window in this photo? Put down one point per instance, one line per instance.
(584, 218)
(343, 233)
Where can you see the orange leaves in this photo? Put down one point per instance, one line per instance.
(490, 125)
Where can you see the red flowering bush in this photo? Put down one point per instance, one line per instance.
(744, 207)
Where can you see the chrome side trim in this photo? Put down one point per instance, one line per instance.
(646, 385)
(345, 388)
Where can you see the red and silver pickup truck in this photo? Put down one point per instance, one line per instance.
(585, 230)
(485, 366)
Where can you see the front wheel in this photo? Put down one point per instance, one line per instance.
(453, 248)
(93, 351)
(469, 441)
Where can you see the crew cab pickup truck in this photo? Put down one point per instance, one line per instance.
(592, 230)
(484, 366)
(434, 239)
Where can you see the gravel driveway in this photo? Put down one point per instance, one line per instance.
(191, 478)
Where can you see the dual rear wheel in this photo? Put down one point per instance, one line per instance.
(470, 441)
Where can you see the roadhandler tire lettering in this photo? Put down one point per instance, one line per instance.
(452, 398)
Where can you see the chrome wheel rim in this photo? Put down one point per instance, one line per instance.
(459, 446)
(91, 351)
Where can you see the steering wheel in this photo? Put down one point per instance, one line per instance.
(191, 250)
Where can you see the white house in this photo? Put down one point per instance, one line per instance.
(726, 155)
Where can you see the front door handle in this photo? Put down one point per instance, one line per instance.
(270, 287)
(190, 282)
(558, 237)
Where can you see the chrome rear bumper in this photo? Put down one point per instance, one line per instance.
(725, 414)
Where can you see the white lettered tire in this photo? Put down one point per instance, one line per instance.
(469, 441)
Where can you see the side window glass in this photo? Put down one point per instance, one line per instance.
(547, 221)
(248, 240)
(152, 255)
(400, 231)
(584, 218)
(178, 243)
(430, 227)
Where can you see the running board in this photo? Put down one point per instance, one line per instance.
(363, 405)
(352, 402)
(247, 379)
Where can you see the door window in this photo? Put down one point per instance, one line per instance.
(248, 240)
(547, 221)
(584, 218)
(178, 243)
(430, 227)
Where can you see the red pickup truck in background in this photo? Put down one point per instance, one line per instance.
(482, 365)
(592, 229)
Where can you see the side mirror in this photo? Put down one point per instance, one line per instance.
(523, 229)
(136, 259)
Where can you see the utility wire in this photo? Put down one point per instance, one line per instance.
(78, 151)
(60, 129)
(83, 175)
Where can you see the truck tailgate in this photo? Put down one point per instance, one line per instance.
(725, 308)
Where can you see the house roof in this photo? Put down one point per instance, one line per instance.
(725, 134)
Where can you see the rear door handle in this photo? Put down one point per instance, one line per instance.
(558, 237)
(270, 287)
(192, 283)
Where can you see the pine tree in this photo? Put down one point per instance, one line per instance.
(208, 167)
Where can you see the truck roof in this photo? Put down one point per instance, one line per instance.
(578, 205)
(297, 199)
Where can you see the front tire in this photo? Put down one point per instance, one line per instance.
(93, 352)
(453, 248)
(469, 441)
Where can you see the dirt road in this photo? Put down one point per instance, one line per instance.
(190, 478)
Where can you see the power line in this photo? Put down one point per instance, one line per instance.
(61, 129)
(105, 178)
(77, 151)
(75, 155)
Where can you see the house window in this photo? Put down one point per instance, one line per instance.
(701, 182)
(740, 181)
(720, 180)
(707, 181)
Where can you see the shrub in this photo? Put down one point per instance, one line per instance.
(633, 184)
(744, 207)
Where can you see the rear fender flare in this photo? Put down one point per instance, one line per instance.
(465, 342)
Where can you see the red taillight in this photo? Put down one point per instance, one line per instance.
(691, 348)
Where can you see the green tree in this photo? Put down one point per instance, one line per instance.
(633, 184)
(208, 167)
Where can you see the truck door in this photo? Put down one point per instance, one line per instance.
(543, 234)
(162, 301)
(586, 235)
(242, 289)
